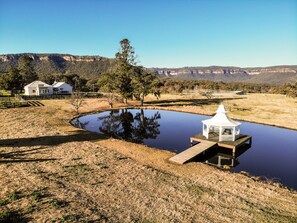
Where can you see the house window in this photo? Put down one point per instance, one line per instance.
(61, 89)
(33, 91)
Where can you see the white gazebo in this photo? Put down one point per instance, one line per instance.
(221, 126)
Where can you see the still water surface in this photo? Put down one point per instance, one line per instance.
(273, 153)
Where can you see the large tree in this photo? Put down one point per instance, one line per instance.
(125, 61)
(119, 79)
(126, 78)
(26, 69)
(144, 83)
(12, 81)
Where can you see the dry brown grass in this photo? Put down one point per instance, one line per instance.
(269, 109)
(50, 170)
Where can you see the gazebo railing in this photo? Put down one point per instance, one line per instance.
(226, 137)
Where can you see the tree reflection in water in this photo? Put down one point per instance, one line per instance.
(122, 124)
(77, 123)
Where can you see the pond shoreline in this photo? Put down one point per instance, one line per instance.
(180, 110)
(179, 142)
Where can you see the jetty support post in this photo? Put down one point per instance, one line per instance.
(250, 141)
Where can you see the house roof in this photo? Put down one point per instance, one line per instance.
(58, 84)
(37, 83)
(221, 119)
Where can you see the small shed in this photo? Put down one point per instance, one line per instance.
(62, 88)
(221, 126)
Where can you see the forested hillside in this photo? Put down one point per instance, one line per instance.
(91, 67)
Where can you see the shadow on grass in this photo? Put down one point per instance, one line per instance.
(43, 141)
(193, 102)
(13, 217)
(79, 136)
(19, 156)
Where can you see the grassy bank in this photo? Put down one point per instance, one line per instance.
(51, 171)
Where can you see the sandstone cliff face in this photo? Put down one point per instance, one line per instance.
(89, 67)
(93, 66)
(47, 57)
(267, 75)
(167, 72)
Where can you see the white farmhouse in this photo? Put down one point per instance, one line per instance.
(38, 88)
(61, 88)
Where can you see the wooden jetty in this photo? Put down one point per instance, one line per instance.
(205, 144)
(192, 152)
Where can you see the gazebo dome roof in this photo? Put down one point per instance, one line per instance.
(221, 119)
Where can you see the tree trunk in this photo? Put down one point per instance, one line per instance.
(142, 98)
(125, 101)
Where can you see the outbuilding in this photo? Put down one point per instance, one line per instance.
(62, 88)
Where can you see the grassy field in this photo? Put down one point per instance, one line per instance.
(53, 172)
(269, 109)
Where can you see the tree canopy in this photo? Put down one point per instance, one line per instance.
(128, 79)
(12, 81)
(26, 69)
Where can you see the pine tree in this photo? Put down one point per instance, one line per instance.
(125, 61)
(12, 81)
(26, 69)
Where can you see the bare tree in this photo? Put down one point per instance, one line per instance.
(77, 101)
(207, 94)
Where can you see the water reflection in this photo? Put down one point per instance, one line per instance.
(124, 125)
(79, 124)
(222, 157)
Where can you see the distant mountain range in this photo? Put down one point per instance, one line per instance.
(92, 66)
(269, 75)
(89, 67)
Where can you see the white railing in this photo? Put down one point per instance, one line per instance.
(226, 137)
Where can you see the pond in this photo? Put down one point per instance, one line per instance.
(273, 153)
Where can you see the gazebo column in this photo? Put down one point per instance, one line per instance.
(233, 133)
(207, 130)
(219, 161)
(232, 162)
(220, 133)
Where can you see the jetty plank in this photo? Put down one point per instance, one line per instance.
(192, 152)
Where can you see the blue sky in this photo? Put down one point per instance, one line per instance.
(164, 33)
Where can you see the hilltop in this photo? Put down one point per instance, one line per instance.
(91, 67)
(268, 75)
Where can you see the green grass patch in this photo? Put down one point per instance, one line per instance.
(4, 93)
(4, 202)
(37, 196)
(79, 168)
(58, 203)
(13, 196)
(199, 190)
